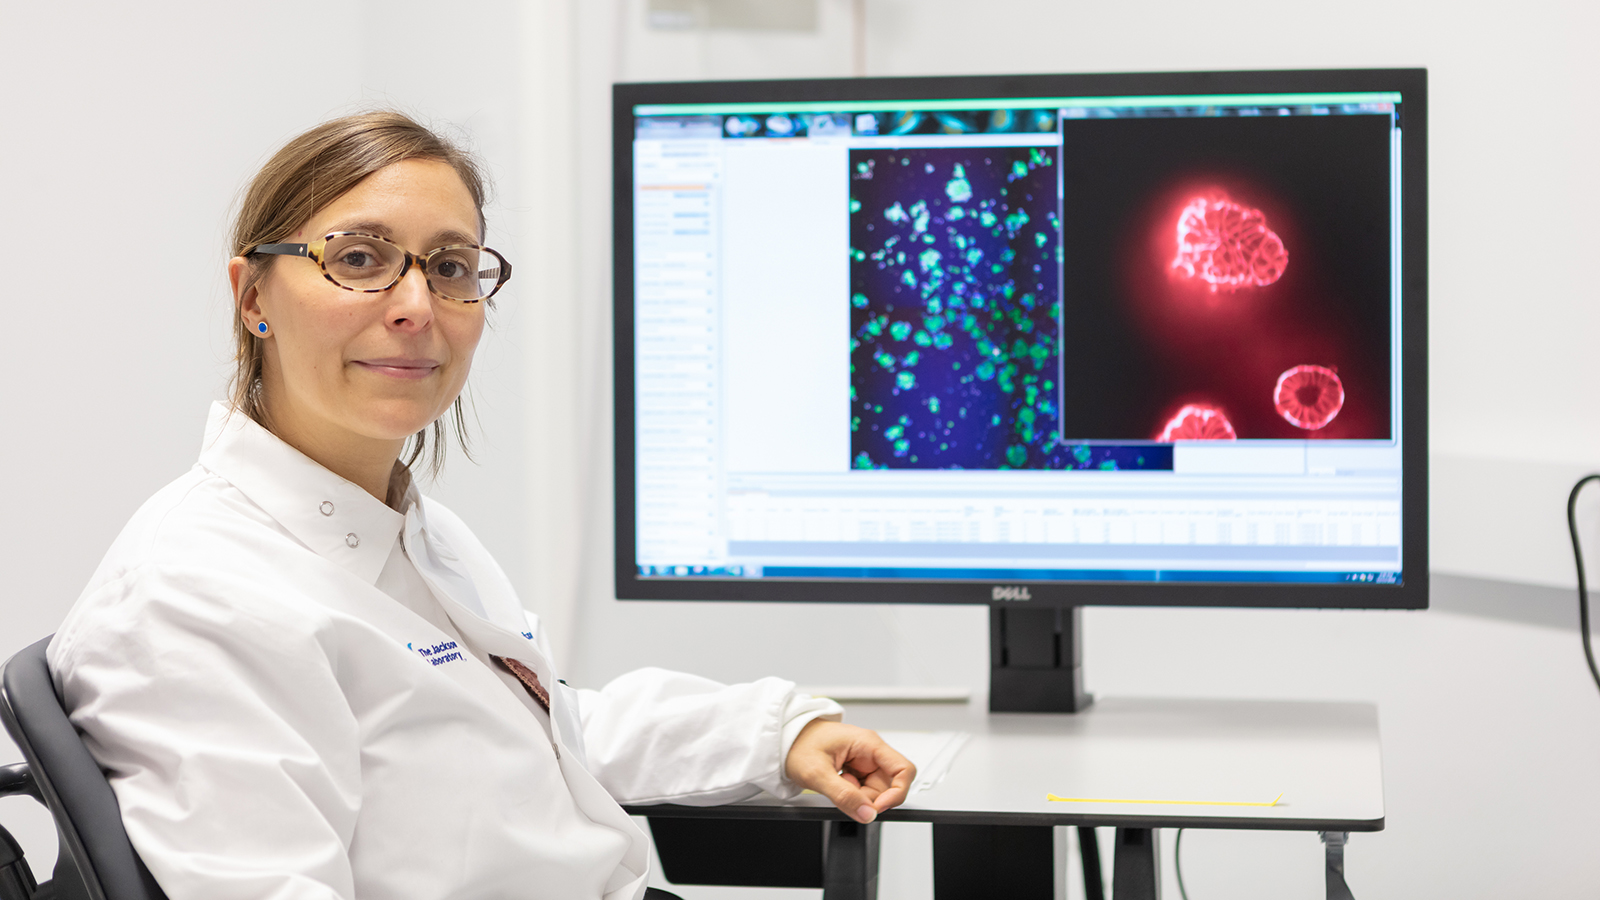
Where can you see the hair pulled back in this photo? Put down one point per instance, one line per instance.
(302, 178)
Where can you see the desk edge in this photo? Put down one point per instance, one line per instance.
(825, 814)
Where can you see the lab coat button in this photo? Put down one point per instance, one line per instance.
(326, 508)
(352, 541)
(557, 748)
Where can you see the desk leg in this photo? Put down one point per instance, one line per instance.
(1136, 870)
(1094, 883)
(1334, 841)
(850, 861)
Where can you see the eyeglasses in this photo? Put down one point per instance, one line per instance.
(370, 264)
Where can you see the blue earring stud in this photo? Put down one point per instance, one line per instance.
(262, 328)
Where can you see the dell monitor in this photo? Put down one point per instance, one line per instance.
(1035, 342)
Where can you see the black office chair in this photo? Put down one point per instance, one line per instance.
(95, 860)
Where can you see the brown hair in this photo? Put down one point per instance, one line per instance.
(307, 174)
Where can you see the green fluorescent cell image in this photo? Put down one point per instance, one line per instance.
(958, 262)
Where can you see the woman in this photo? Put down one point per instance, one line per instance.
(305, 679)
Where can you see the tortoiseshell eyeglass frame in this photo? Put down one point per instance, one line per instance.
(313, 251)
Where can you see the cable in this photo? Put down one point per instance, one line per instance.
(1583, 587)
(1177, 864)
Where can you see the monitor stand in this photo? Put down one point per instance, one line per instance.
(1036, 659)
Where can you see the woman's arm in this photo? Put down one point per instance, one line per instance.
(654, 736)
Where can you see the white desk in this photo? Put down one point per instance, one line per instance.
(1324, 758)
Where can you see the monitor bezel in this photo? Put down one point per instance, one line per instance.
(1411, 594)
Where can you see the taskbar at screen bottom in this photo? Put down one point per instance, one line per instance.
(883, 573)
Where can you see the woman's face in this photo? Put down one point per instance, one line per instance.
(340, 365)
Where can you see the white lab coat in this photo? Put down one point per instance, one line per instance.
(275, 726)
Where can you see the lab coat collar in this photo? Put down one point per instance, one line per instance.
(335, 518)
(438, 563)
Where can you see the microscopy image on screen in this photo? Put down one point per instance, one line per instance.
(1226, 278)
(955, 336)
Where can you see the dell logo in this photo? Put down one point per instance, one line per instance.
(1011, 593)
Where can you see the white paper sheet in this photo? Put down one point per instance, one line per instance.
(932, 752)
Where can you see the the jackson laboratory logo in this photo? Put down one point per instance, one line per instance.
(1011, 593)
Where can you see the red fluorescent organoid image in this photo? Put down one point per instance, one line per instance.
(1196, 422)
(1308, 397)
(1228, 246)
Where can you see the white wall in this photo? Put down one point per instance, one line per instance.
(128, 133)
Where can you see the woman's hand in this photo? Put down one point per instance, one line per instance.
(851, 766)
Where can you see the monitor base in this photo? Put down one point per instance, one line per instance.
(1036, 660)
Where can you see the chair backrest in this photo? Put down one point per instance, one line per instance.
(74, 788)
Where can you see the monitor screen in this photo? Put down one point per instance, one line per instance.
(1097, 339)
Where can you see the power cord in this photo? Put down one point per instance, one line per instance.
(1177, 864)
(1583, 587)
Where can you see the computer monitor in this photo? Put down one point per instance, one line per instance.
(1036, 342)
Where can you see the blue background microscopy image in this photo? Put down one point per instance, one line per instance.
(955, 314)
(955, 334)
